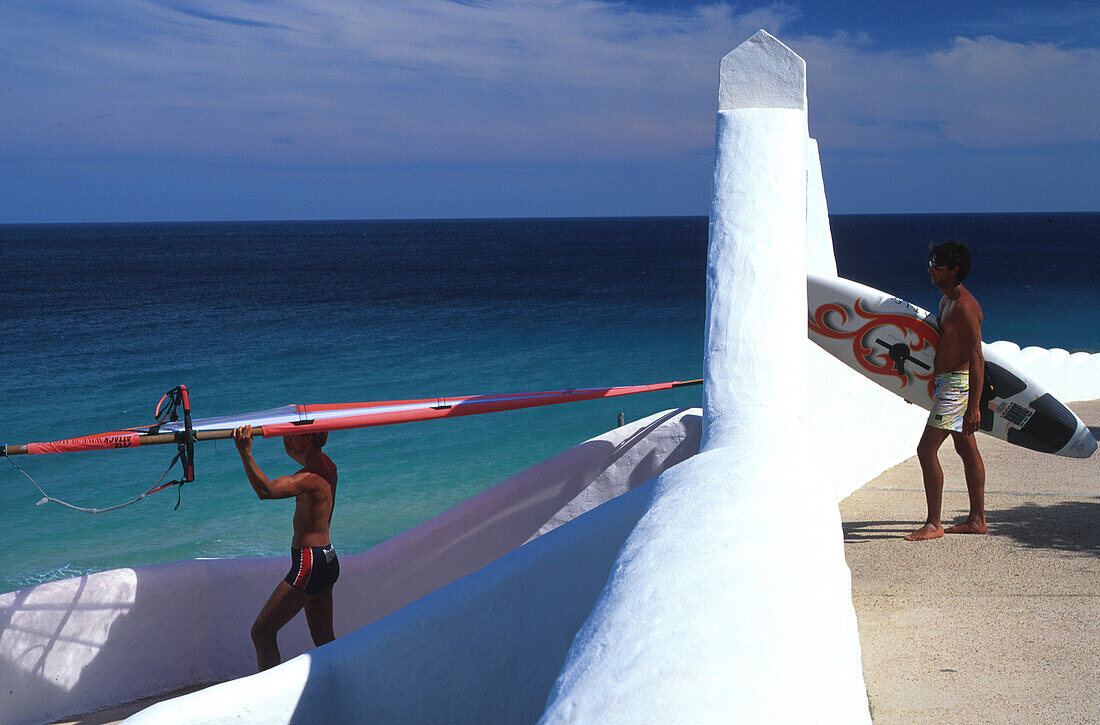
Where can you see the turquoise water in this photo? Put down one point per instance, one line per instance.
(97, 321)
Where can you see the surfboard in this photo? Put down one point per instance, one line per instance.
(893, 342)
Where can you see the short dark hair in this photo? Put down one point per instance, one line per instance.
(317, 440)
(951, 254)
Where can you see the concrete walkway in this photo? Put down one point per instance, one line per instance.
(1001, 628)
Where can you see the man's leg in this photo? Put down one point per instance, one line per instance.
(974, 467)
(927, 454)
(282, 605)
(319, 618)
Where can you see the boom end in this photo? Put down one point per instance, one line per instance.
(683, 383)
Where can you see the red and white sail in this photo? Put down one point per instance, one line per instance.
(298, 419)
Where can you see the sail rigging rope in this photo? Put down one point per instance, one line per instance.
(165, 411)
(46, 498)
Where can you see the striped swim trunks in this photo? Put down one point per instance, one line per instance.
(313, 569)
(949, 400)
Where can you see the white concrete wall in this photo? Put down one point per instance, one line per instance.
(857, 429)
(820, 256)
(1067, 376)
(485, 649)
(80, 644)
(731, 600)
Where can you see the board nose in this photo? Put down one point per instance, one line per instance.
(1083, 443)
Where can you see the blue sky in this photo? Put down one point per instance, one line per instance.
(318, 109)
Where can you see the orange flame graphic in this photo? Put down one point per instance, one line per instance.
(874, 361)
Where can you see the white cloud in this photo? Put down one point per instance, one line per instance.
(1013, 94)
(401, 80)
(368, 81)
(979, 93)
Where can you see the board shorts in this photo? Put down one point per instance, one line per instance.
(950, 397)
(313, 569)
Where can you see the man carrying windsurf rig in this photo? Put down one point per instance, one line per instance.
(956, 400)
(314, 567)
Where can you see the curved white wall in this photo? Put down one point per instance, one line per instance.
(1067, 376)
(733, 585)
(89, 642)
(721, 601)
(485, 649)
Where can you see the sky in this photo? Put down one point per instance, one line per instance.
(190, 110)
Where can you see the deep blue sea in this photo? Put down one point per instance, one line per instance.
(97, 321)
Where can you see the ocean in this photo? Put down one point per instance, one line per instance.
(98, 321)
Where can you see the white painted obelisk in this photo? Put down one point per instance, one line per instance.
(731, 601)
(756, 265)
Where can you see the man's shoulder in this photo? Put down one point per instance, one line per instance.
(308, 478)
(969, 304)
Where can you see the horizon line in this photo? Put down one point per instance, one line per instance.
(607, 217)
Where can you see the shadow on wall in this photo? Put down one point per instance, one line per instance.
(94, 641)
(51, 635)
(1065, 526)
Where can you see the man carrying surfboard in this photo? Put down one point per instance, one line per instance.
(314, 566)
(956, 405)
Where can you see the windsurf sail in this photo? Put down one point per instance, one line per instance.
(184, 432)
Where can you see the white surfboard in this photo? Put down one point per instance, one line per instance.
(893, 342)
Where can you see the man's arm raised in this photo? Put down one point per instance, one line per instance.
(266, 488)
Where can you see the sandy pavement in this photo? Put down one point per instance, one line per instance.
(1000, 628)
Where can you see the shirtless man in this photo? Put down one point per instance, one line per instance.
(314, 566)
(960, 373)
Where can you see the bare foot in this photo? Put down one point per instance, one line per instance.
(928, 531)
(968, 527)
